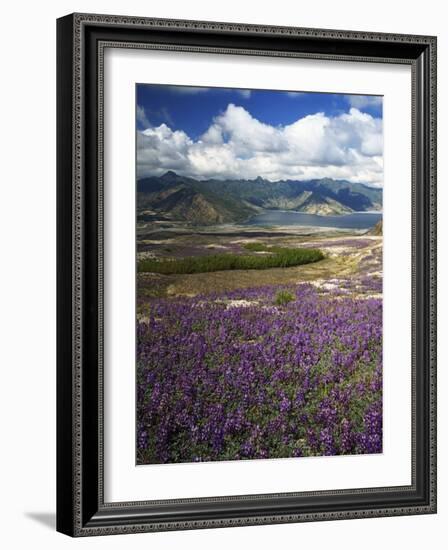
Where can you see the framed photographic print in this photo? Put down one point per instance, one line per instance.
(246, 274)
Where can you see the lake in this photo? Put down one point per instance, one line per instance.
(355, 220)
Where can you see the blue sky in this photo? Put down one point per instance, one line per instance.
(192, 109)
(223, 132)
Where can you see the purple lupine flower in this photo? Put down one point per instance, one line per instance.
(255, 381)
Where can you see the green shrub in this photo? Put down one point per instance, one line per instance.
(283, 297)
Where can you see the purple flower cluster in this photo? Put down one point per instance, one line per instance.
(361, 285)
(234, 376)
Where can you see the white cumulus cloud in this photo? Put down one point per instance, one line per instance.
(237, 145)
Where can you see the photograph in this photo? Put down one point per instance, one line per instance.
(259, 279)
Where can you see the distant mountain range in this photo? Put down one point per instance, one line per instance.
(208, 202)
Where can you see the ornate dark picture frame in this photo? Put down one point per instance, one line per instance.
(81, 509)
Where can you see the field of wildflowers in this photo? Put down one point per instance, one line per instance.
(263, 372)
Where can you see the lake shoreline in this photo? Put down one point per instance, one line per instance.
(353, 220)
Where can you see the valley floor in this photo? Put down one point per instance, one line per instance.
(348, 257)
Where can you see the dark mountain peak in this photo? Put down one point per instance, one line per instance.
(170, 176)
(153, 184)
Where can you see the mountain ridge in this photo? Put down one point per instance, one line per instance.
(213, 201)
